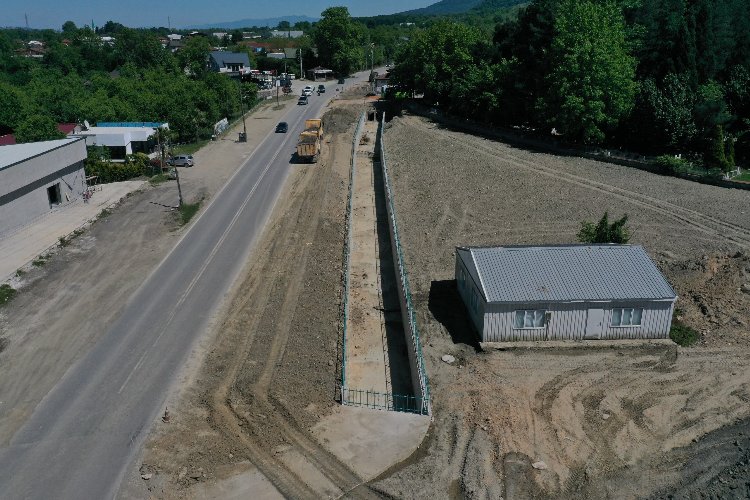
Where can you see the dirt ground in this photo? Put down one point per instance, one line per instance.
(599, 422)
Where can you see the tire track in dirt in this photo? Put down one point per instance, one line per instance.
(700, 221)
(229, 402)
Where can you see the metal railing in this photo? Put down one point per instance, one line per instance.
(381, 400)
(407, 303)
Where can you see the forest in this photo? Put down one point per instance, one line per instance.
(662, 77)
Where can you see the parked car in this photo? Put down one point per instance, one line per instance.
(182, 161)
(302, 100)
(282, 127)
(321, 88)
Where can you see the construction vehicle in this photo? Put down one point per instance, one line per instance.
(308, 146)
(314, 125)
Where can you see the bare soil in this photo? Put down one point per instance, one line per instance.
(607, 422)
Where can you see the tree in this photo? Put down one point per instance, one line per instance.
(194, 56)
(433, 58)
(69, 28)
(339, 40)
(604, 232)
(591, 85)
(37, 128)
(284, 26)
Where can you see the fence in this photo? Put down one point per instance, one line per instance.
(382, 400)
(411, 330)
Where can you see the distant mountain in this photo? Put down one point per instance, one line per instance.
(445, 7)
(271, 22)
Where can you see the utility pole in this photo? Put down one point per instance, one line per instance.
(372, 65)
(243, 135)
(301, 74)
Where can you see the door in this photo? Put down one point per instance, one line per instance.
(594, 324)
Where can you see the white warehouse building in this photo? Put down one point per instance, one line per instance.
(567, 292)
(38, 177)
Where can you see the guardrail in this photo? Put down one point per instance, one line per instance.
(411, 329)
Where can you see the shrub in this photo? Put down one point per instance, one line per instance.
(7, 292)
(604, 232)
(668, 164)
(683, 335)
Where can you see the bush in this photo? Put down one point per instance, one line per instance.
(604, 232)
(683, 335)
(668, 164)
(7, 292)
(135, 165)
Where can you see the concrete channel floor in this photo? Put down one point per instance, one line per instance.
(21, 246)
(376, 358)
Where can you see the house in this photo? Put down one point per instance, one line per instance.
(256, 47)
(65, 128)
(567, 292)
(286, 33)
(276, 55)
(120, 139)
(233, 63)
(291, 53)
(382, 81)
(38, 177)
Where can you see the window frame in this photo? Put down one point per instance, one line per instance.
(622, 310)
(544, 319)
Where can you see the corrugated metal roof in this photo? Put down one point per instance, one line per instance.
(567, 273)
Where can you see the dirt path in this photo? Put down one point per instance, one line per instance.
(607, 422)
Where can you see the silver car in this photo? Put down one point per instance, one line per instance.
(182, 161)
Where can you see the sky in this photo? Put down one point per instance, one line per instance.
(146, 13)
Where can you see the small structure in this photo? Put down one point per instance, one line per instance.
(287, 33)
(570, 292)
(38, 177)
(121, 140)
(319, 73)
(232, 63)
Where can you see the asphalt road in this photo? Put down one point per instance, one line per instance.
(80, 439)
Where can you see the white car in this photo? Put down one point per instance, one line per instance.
(307, 90)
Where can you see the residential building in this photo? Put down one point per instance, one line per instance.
(233, 63)
(286, 33)
(121, 141)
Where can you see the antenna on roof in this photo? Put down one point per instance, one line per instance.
(86, 124)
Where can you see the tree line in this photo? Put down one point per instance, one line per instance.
(655, 76)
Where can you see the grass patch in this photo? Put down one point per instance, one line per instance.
(744, 176)
(7, 292)
(158, 179)
(3, 343)
(189, 148)
(39, 261)
(104, 214)
(187, 211)
(20, 273)
(683, 335)
(62, 241)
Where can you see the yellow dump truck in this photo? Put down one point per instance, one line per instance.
(308, 146)
(314, 125)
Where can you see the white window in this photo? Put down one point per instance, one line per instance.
(530, 318)
(627, 316)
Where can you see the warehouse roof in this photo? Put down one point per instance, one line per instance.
(566, 273)
(16, 153)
